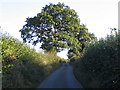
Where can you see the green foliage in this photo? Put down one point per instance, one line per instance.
(22, 67)
(57, 27)
(100, 64)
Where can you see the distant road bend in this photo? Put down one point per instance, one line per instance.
(61, 78)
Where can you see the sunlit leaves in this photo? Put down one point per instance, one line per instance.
(22, 66)
(56, 26)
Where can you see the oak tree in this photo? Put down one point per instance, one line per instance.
(57, 27)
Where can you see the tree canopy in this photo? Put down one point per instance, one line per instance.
(57, 27)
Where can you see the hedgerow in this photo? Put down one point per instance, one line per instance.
(22, 67)
(100, 64)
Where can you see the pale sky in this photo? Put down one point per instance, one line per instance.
(97, 15)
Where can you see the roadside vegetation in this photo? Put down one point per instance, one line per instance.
(99, 66)
(22, 67)
(58, 27)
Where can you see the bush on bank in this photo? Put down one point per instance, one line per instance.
(100, 64)
(22, 67)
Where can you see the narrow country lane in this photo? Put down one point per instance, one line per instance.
(61, 78)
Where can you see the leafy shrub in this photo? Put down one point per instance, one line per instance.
(101, 62)
(22, 67)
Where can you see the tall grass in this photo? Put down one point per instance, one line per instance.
(100, 64)
(22, 67)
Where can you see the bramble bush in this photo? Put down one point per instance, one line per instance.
(100, 64)
(22, 67)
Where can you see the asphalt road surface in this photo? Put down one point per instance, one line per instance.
(61, 78)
